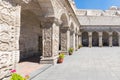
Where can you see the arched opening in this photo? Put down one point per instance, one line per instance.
(115, 39)
(95, 39)
(30, 37)
(85, 39)
(62, 37)
(105, 39)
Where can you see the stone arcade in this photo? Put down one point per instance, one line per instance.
(46, 27)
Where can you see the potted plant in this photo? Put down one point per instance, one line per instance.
(70, 51)
(79, 46)
(61, 57)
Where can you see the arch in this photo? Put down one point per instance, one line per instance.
(39, 4)
(30, 36)
(64, 19)
(85, 39)
(105, 39)
(95, 39)
(115, 39)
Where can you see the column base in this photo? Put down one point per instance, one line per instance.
(49, 60)
(90, 46)
(65, 52)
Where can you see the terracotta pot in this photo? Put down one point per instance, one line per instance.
(60, 60)
(70, 53)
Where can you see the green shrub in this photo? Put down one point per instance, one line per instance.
(70, 50)
(79, 46)
(16, 76)
(61, 55)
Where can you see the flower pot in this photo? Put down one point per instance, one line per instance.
(70, 53)
(60, 60)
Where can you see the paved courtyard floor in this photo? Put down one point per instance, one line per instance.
(86, 64)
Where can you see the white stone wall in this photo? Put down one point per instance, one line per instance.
(9, 36)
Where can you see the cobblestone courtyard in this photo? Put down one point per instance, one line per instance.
(86, 64)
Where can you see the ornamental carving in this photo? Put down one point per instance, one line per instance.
(4, 46)
(6, 19)
(4, 58)
(4, 37)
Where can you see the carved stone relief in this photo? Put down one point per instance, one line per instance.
(7, 33)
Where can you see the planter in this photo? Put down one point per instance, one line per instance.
(70, 53)
(60, 60)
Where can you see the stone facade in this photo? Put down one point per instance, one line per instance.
(102, 27)
(32, 28)
(45, 28)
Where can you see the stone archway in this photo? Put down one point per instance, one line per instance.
(95, 39)
(85, 39)
(115, 39)
(63, 33)
(105, 39)
(30, 35)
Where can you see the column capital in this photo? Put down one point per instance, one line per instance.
(48, 21)
(65, 27)
(90, 34)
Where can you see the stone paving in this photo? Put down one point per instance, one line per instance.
(86, 64)
(28, 66)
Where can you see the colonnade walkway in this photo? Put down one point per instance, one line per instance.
(86, 64)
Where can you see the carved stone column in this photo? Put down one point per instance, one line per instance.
(50, 34)
(79, 38)
(110, 39)
(100, 39)
(65, 38)
(76, 41)
(90, 39)
(73, 45)
(119, 38)
(9, 36)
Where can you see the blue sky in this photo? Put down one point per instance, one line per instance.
(96, 4)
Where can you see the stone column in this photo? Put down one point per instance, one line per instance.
(76, 41)
(119, 38)
(50, 34)
(9, 37)
(79, 38)
(110, 39)
(90, 39)
(65, 38)
(100, 39)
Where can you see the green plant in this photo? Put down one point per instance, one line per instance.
(16, 76)
(61, 58)
(61, 55)
(79, 46)
(70, 50)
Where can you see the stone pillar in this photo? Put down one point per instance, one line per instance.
(110, 39)
(65, 38)
(90, 39)
(100, 39)
(79, 38)
(119, 38)
(76, 41)
(50, 34)
(9, 36)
